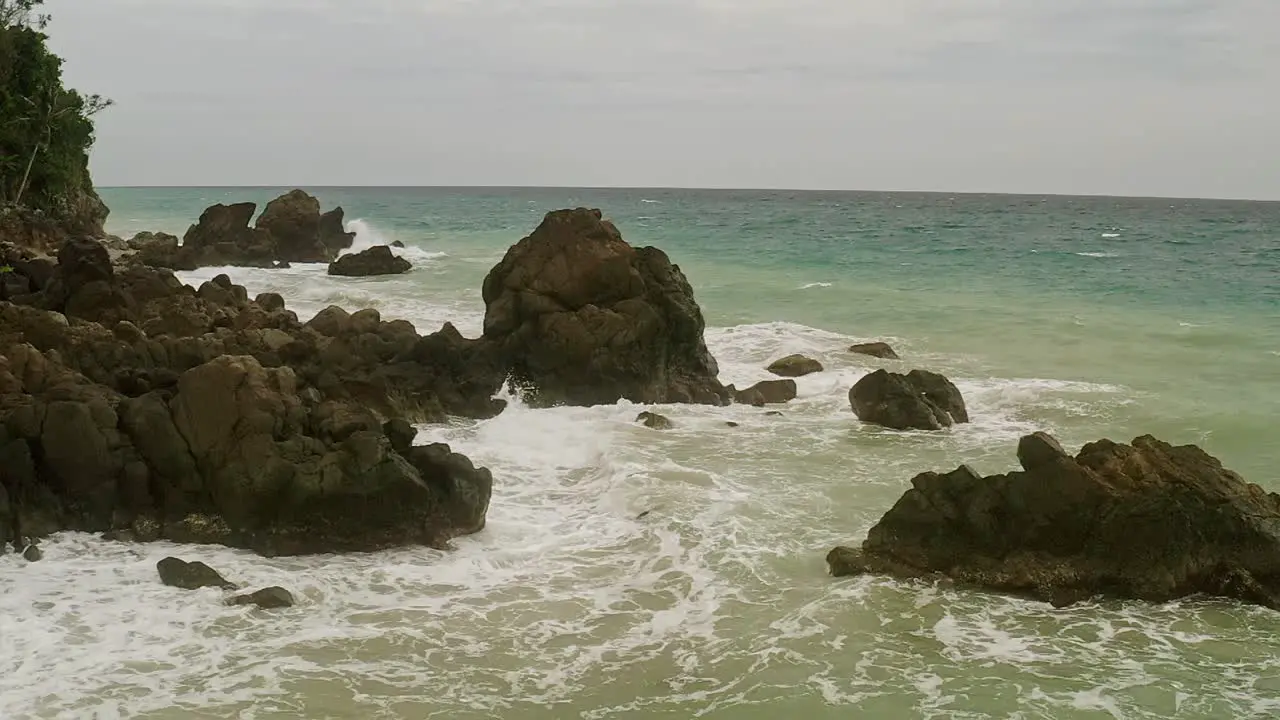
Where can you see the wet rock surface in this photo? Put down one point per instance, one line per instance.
(1146, 520)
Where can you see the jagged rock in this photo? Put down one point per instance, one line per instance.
(84, 284)
(222, 236)
(767, 392)
(793, 366)
(377, 260)
(919, 400)
(194, 575)
(875, 349)
(228, 454)
(294, 221)
(1147, 521)
(461, 490)
(583, 318)
(333, 232)
(271, 598)
(655, 421)
(291, 228)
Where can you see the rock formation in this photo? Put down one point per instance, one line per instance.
(134, 404)
(920, 400)
(582, 318)
(290, 229)
(377, 260)
(793, 366)
(1147, 521)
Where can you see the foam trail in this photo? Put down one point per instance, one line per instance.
(369, 235)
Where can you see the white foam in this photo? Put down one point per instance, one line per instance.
(716, 599)
(1097, 254)
(1110, 235)
(368, 235)
(808, 286)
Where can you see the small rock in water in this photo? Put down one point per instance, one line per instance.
(654, 420)
(773, 413)
(731, 424)
(795, 366)
(397, 244)
(190, 575)
(32, 553)
(643, 515)
(875, 349)
(768, 392)
(267, 598)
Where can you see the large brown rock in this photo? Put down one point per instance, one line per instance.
(294, 220)
(229, 455)
(84, 284)
(377, 260)
(222, 236)
(1148, 521)
(919, 400)
(583, 318)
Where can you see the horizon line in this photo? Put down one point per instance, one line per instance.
(680, 189)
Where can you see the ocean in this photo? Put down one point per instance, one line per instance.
(633, 573)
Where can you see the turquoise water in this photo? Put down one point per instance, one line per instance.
(1178, 300)
(1087, 317)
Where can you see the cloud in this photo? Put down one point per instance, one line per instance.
(1104, 96)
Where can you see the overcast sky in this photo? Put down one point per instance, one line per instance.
(1146, 97)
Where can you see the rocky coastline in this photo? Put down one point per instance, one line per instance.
(141, 408)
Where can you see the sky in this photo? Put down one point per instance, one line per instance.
(1119, 97)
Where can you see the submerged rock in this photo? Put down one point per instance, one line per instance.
(33, 553)
(377, 260)
(178, 573)
(655, 421)
(875, 349)
(1147, 521)
(583, 318)
(793, 366)
(920, 400)
(767, 392)
(270, 598)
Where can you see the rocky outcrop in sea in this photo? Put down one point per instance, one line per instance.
(1146, 520)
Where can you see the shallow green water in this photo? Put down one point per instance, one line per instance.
(1085, 317)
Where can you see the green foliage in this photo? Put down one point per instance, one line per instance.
(46, 130)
